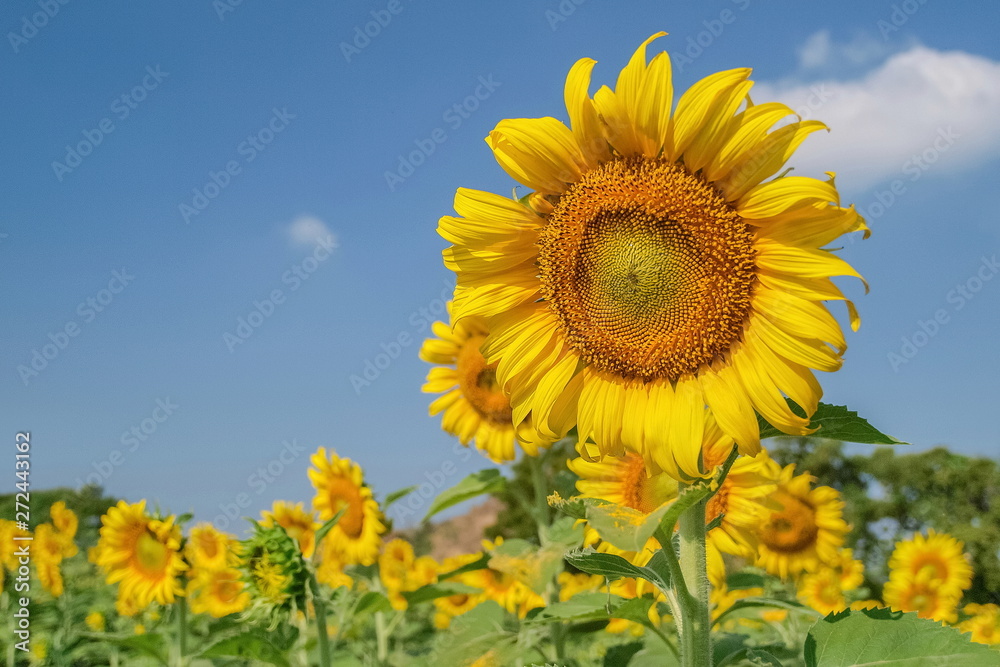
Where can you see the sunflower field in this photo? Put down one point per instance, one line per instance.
(628, 335)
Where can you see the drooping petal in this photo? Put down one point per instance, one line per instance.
(541, 153)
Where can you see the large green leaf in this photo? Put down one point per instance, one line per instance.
(580, 607)
(398, 494)
(247, 645)
(476, 484)
(758, 602)
(152, 645)
(835, 422)
(891, 639)
(615, 567)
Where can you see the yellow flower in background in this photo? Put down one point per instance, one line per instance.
(49, 547)
(400, 572)
(938, 560)
(218, 593)
(629, 588)
(65, 522)
(50, 575)
(339, 483)
(126, 605)
(984, 625)
(654, 269)
(297, 522)
(210, 549)
(850, 570)
(9, 545)
(474, 405)
(269, 581)
(141, 554)
(331, 569)
(571, 583)
(822, 590)
(450, 606)
(903, 593)
(808, 529)
(95, 621)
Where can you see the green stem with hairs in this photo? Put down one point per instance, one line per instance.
(319, 608)
(543, 518)
(696, 643)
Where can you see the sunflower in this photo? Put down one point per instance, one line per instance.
(210, 549)
(65, 523)
(49, 547)
(299, 524)
(474, 406)
(95, 621)
(984, 624)
(929, 601)
(401, 573)
(654, 269)
(937, 560)
(331, 568)
(571, 583)
(141, 553)
(218, 593)
(450, 606)
(806, 531)
(339, 483)
(822, 590)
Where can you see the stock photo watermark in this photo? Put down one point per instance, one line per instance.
(420, 320)
(121, 107)
(562, 12)
(249, 149)
(899, 15)
(258, 481)
(454, 116)
(264, 309)
(31, 24)
(435, 480)
(958, 298)
(698, 43)
(363, 34)
(87, 311)
(131, 440)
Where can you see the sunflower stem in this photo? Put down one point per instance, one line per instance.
(543, 519)
(319, 608)
(696, 644)
(181, 607)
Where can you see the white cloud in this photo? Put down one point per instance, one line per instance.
(820, 51)
(881, 121)
(307, 230)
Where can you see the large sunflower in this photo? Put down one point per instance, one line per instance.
(218, 593)
(339, 483)
(297, 522)
(473, 404)
(654, 269)
(805, 530)
(141, 553)
(210, 549)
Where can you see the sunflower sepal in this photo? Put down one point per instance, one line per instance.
(615, 567)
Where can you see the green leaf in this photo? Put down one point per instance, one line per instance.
(834, 422)
(635, 610)
(621, 654)
(891, 639)
(440, 590)
(581, 607)
(370, 603)
(742, 580)
(248, 645)
(575, 507)
(624, 527)
(758, 602)
(532, 566)
(325, 528)
(476, 484)
(614, 567)
(150, 644)
(397, 495)
(481, 564)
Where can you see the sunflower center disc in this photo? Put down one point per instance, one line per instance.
(648, 269)
(151, 553)
(478, 382)
(343, 492)
(791, 530)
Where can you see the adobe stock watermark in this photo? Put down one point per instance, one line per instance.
(30, 25)
(87, 311)
(957, 297)
(253, 145)
(121, 107)
(294, 278)
(223, 7)
(258, 481)
(914, 168)
(131, 440)
(562, 12)
(698, 43)
(435, 480)
(899, 15)
(363, 34)
(454, 116)
(420, 320)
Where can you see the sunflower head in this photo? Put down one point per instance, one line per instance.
(272, 567)
(297, 522)
(907, 594)
(141, 553)
(983, 623)
(937, 561)
(65, 522)
(805, 529)
(95, 621)
(339, 485)
(218, 593)
(658, 267)
(210, 549)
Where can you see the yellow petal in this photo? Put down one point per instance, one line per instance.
(812, 226)
(810, 352)
(769, 199)
(752, 127)
(583, 115)
(766, 398)
(799, 317)
(617, 126)
(731, 407)
(541, 153)
(698, 106)
(802, 262)
(717, 126)
(765, 159)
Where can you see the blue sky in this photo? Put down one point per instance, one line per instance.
(168, 170)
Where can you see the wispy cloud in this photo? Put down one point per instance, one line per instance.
(895, 113)
(306, 230)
